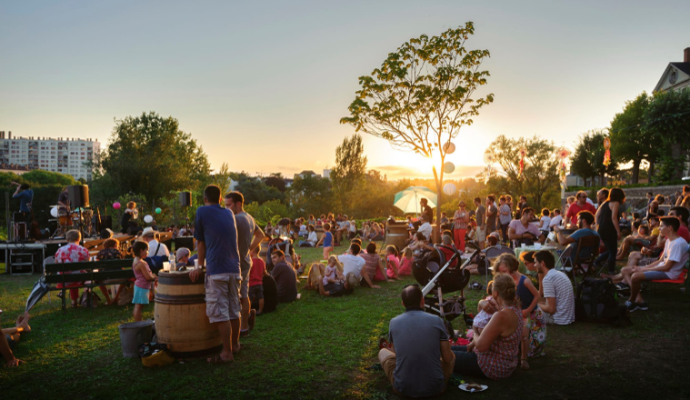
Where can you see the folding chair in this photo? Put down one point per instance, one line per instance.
(591, 241)
(567, 261)
(493, 252)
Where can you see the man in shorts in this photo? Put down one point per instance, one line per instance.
(215, 231)
(480, 216)
(249, 236)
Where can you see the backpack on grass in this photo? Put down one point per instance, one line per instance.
(597, 301)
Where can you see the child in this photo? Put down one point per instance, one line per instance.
(143, 278)
(256, 281)
(333, 274)
(392, 263)
(327, 240)
(406, 262)
(482, 318)
(418, 244)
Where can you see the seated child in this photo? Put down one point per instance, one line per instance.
(392, 263)
(333, 272)
(406, 262)
(482, 318)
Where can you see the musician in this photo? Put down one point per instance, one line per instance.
(131, 213)
(25, 196)
(63, 203)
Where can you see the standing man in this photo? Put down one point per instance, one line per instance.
(63, 203)
(491, 214)
(504, 218)
(25, 196)
(215, 231)
(480, 217)
(249, 237)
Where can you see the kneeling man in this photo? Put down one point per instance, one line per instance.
(419, 361)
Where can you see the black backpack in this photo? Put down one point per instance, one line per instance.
(597, 301)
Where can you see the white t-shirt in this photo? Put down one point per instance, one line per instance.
(353, 227)
(675, 250)
(312, 238)
(556, 221)
(425, 229)
(352, 264)
(163, 251)
(546, 222)
(557, 285)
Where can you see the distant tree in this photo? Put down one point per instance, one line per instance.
(667, 121)
(588, 158)
(311, 195)
(350, 167)
(255, 190)
(629, 142)
(149, 154)
(276, 180)
(222, 178)
(539, 177)
(422, 95)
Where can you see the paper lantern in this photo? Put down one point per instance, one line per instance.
(449, 189)
(54, 212)
(448, 167)
(488, 159)
(449, 148)
(158, 210)
(116, 205)
(148, 219)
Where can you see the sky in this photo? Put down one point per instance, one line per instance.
(263, 85)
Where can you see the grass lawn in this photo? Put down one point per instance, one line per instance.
(322, 348)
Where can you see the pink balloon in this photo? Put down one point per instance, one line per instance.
(116, 205)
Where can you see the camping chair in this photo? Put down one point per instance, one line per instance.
(493, 252)
(566, 261)
(591, 241)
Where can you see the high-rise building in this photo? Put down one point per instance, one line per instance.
(69, 156)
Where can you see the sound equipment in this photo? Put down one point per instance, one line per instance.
(185, 199)
(78, 196)
(106, 222)
(106, 233)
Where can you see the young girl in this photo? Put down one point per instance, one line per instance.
(143, 276)
(392, 264)
(406, 262)
(333, 273)
(327, 240)
(482, 318)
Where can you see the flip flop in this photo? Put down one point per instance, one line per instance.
(218, 360)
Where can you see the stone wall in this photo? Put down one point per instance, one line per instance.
(636, 197)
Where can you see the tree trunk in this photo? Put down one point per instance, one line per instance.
(677, 154)
(636, 171)
(650, 171)
(439, 192)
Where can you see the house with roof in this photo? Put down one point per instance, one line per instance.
(677, 75)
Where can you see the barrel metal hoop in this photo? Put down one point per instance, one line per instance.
(180, 299)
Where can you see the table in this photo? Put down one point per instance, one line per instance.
(552, 248)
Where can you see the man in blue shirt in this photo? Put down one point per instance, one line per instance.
(585, 220)
(216, 233)
(419, 360)
(25, 196)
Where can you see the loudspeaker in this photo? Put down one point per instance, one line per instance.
(186, 199)
(78, 196)
(106, 222)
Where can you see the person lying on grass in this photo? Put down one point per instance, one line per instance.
(9, 337)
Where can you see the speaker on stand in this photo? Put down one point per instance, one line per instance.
(79, 198)
(186, 201)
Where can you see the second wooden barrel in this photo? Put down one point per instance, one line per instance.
(180, 315)
(319, 231)
(396, 234)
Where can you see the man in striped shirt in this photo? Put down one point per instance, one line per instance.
(558, 291)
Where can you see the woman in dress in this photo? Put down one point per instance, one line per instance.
(608, 227)
(461, 219)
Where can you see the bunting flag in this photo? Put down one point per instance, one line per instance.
(607, 154)
(523, 152)
(562, 154)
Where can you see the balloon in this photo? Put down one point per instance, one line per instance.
(449, 148)
(54, 212)
(449, 167)
(158, 210)
(449, 189)
(116, 205)
(148, 219)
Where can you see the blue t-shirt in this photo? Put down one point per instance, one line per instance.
(327, 239)
(24, 199)
(215, 226)
(580, 233)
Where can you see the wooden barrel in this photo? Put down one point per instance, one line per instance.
(319, 231)
(264, 247)
(396, 234)
(180, 315)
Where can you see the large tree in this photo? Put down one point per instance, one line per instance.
(422, 95)
(588, 159)
(539, 177)
(149, 154)
(349, 170)
(667, 121)
(311, 195)
(629, 142)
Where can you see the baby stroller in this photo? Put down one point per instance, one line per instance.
(440, 275)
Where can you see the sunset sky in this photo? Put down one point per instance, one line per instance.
(263, 85)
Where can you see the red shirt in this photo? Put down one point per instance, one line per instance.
(684, 233)
(575, 208)
(256, 274)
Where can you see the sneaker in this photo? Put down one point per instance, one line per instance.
(642, 306)
(622, 287)
(631, 306)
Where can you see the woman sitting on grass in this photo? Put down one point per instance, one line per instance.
(372, 264)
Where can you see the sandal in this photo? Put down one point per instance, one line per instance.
(217, 359)
(524, 364)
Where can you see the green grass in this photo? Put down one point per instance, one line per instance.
(322, 347)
